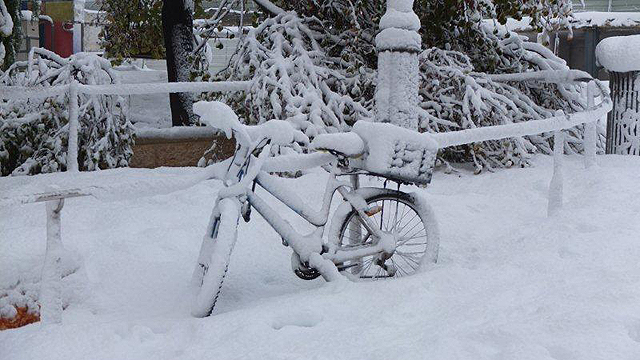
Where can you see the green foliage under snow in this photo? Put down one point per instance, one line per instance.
(34, 132)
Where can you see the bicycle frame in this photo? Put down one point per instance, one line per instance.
(306, 245)
(318, 218)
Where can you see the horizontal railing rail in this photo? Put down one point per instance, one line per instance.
(27, 92)
(51, 304)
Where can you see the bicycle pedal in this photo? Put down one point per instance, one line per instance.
(373, 210)
(246, 212)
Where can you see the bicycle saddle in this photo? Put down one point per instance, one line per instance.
(348, 144)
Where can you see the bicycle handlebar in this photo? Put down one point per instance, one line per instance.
(219, 115)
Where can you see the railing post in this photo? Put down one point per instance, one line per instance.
(72, 145)
(51, 287)
(590, 131)
(556, 185)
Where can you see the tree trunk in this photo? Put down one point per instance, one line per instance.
(177, 29)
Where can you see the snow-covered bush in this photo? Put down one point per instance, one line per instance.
(10, 31)
(455, 97)
(293, 79)
(458, 25)
(34, 132)
(317, 67)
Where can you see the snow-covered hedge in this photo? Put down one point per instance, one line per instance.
(293, 79)
(303, 71)
(455, 97)
(34, 132)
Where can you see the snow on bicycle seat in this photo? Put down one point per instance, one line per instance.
(348, 144)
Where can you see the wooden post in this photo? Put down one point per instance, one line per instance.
(556, 185)
(590, 131)
(72, 145)
(51, 287)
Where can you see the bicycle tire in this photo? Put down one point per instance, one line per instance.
(422, 254)
(215, 254)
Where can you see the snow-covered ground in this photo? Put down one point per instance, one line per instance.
(150, 110)
(510, 284)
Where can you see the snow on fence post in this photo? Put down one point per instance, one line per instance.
(619, 54)
(556, 186)
(590, 130)
(50, 290)
(72, 144)
(51, 287)
(398, 45)
(623, 122)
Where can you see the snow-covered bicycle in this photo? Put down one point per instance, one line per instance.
(375, 233)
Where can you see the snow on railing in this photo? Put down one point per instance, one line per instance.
(556, 124)
(51, 287)
(50, 293)
(547, 76)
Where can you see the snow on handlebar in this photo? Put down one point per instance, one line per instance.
(219, 115)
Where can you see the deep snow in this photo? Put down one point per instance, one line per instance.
(510, 284)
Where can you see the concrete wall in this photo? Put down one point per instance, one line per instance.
(91, 32)
(31, 33)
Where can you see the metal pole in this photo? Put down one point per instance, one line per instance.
(241, 27)
(72, 145)
(51, 288)
(556, 185)
(590, 131)
(355, 230)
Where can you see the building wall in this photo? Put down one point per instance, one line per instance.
(60, 39)
(31, 38)
(580, 51)
(603, 5)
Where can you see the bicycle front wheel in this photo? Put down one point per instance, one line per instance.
(407, 216)
(215, 253)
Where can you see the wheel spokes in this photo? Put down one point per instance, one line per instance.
(406, 225)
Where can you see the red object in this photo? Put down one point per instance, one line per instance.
(62, 39)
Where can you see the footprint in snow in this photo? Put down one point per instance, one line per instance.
(296, 318)
(633, 329)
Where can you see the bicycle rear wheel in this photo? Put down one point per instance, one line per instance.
(406, 215)
(215, 253)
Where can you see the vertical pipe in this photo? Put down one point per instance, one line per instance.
(610, 115)
(556, 185)
(78, 20)
(72, 145)
(50, 290)
(590, 131)
(241, 27)
(355, 230)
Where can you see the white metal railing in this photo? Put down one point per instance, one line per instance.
(560, 122)
(51, 304)
(74, 89)
(50, 291)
